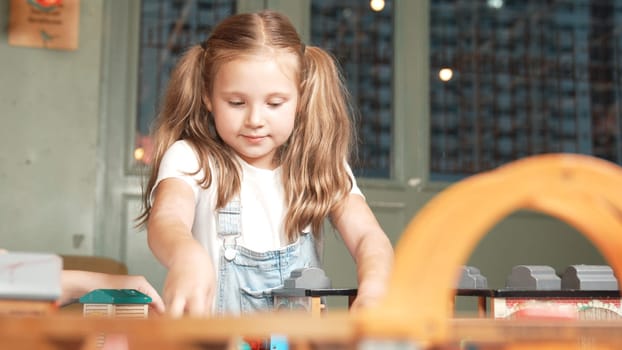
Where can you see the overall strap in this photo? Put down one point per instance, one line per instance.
(229, 226)
(229, 221)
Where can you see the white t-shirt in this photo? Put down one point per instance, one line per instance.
(261, 195)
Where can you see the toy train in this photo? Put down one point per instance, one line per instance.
(587, 292)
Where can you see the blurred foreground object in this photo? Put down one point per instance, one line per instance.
(30, 283)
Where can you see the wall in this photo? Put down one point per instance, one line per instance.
(49, 104)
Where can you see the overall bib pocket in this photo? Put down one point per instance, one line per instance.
(255, 300)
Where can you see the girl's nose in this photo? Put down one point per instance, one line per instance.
(254, 117)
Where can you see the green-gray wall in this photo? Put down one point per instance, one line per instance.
(49, 166)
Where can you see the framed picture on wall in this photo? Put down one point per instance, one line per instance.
(50, 24)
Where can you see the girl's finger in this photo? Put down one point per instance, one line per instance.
(176, 307)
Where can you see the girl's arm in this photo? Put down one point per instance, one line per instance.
(369, 246)
(190, 282)
(76, 283)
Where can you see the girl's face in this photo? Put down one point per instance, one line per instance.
(254, 101)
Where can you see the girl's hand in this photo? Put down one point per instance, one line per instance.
(190, 284)
(368, 295)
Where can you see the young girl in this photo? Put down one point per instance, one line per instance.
(251, 150)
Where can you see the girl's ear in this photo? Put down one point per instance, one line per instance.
(208, 103)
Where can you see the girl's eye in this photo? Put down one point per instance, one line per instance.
(275, 104)
(236, 103)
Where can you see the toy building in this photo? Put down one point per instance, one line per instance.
(30, 283)
(306, 289)
(471, 283)
(124, 303)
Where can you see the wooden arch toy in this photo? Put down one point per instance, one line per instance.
(583, 191)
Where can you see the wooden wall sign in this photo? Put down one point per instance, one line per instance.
(51, 24)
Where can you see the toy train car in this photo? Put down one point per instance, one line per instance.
(586, 292)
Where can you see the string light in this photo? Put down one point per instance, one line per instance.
(495, 4)
(445, 74)
(376, 5)
(139, 153)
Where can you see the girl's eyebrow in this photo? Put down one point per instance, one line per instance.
(270, 95)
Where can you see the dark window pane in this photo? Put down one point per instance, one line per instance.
(529, 77)
(362, 41)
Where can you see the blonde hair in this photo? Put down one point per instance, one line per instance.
(313, 161)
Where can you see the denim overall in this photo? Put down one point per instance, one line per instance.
(246, 278)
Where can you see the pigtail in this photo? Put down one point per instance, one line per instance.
(183, 115)
(315, 178)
